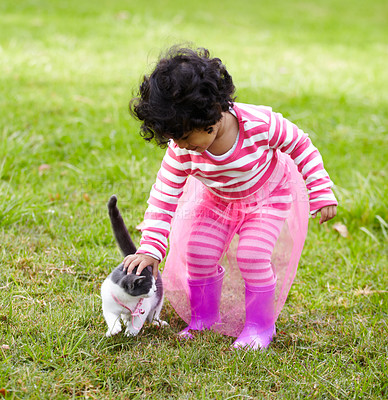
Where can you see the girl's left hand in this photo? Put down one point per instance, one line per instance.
(327, 213)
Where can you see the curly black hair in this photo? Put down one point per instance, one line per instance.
(187, 90)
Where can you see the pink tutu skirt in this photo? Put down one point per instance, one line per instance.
(197, 200)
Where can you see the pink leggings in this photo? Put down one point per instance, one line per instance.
(258, 233)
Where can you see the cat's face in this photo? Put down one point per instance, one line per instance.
(138, 286)
(135, 285)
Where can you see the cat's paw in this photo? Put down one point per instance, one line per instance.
(131, 332)
(159, 323)
(114, 331)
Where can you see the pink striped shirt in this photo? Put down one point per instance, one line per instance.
(240, 174)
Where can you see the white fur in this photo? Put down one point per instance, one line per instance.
(113, 311)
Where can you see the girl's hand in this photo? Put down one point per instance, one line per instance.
(327, 213)
(141, 261)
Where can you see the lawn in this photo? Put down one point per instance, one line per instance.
(67, 142)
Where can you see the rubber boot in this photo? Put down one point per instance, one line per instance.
(259, 326)
(205, 297)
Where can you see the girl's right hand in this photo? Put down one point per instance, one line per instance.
(141, 261)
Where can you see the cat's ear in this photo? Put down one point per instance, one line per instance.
(149, 269)
(139, 278)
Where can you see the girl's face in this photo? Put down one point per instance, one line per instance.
(199, 140)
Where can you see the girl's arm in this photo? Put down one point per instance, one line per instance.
(287, 137)
(162, 204)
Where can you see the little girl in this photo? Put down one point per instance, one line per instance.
(244, 204)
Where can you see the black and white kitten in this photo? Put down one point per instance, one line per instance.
(128, 297)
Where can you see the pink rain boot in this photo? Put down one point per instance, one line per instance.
(259, 326)
(205, 296)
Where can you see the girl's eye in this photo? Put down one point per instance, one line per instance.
(209, 130)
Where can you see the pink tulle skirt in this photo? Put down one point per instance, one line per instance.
(197, 200)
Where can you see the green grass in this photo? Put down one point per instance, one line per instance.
(67, 72)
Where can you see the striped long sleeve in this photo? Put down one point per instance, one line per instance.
(237, 175)
(287, 137)
(162, 204)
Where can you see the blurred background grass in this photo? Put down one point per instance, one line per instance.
(67, 72)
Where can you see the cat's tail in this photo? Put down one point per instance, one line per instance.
(120, 231)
